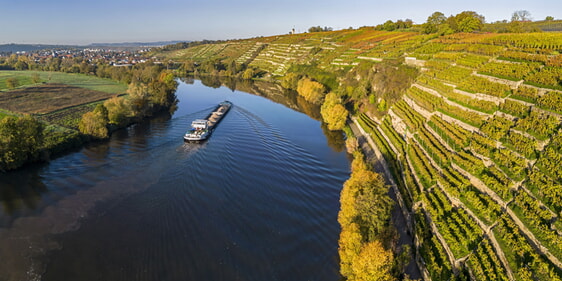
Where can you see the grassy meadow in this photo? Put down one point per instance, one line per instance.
(72, 79)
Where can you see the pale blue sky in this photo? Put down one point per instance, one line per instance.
(94, 21)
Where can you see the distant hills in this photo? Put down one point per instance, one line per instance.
(13, 47)
(135, 44)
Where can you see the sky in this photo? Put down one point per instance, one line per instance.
(82, 22)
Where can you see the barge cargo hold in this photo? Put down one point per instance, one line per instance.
(201, 129)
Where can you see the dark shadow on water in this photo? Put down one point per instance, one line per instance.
(21, 189)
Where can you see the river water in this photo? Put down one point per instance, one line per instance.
(257, 201)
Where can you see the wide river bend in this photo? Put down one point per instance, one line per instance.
(257, 201)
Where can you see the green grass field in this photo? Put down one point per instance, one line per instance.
(71, 79)
(60, 98)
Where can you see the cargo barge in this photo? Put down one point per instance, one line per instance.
(201, 129)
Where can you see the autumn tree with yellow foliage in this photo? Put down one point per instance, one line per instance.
(364, 218)
(94, 123)
(118, 111)
(311, 90)
(333, 112)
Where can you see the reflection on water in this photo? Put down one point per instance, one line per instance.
(20, 190)
(257, 201)
(278, 94)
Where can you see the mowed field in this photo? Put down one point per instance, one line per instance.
(25, 79)
(59, 98)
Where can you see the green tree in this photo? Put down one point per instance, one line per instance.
(469, 24)
(389, 25)
(549, 18)
(139, 99)
(433, 22)
(373, 206)
(21, 65)
(319, 29)
(232, 68)
(290, 81)
(20, 141)
(163, 91)
(404, 24)
(467, 21)
(382, 106)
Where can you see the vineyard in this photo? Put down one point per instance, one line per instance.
(483, 141)
(474, 145)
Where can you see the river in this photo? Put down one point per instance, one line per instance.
(257, 201)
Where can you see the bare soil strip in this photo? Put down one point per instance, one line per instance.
(48, 98)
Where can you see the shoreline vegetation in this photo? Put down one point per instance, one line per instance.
(46, 114)
(466, 116)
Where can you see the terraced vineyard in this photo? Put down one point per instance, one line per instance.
(475, 145)
(486, 157)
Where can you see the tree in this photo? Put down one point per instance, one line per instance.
(117, 111)
(163, 91)
(94, 124)
(433, 22)
(232, 68)
(311, 90)
(319, 29)
(549, 18)
(349, 248)
(21, 65)
(403, 24)
(333, 112)
(12, 82)
(373, 205)
(20, 141)
(139, 99)
(389, 26)
(467, 21)
(521, 15)
(374, 263)
(469, 24)
(290, 81)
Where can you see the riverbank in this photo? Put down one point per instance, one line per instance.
(54, 118)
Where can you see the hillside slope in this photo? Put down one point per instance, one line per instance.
(474, 143)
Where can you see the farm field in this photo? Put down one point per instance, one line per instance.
(59, 98)
(25, 79)
(46, 98)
